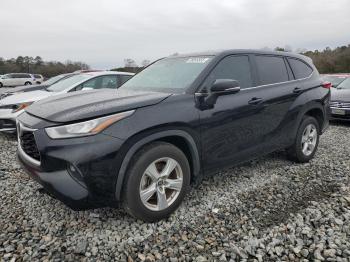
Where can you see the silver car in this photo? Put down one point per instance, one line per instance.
(12, 105)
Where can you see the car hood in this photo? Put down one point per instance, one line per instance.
(94, 103)
(340, 95)
(25, 97)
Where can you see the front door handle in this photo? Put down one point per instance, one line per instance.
(255, 101)
(297, 90)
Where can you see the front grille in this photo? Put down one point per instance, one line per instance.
(5, 123)
(339, 104)
(28, 144)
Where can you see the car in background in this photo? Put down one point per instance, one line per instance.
(335, 79)
(17, 79)
(14, 105)
(45, 84)
(340, 101)
(38, 78)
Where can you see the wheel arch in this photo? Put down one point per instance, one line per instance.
(314, 109)
(179, 138)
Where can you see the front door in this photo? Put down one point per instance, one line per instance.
(232, 129)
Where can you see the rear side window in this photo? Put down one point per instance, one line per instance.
(232, 67)
(271, 69)
(124, 78)
(300, 69)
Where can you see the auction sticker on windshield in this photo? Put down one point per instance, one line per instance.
(197, 60)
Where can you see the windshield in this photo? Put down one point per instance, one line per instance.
(168, 75)
(335, 80)
(68, 82)
(345, 84)
(53, 80)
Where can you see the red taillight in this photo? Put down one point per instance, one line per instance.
(327, 85)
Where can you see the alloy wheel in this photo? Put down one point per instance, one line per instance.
(309, 139)
(161, 184)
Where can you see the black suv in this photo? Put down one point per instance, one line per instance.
(180, 118)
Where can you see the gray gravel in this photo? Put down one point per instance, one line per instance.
(269, 209)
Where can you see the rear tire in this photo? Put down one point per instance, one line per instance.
(306, 142)
(157, 181)
(1, 85)
(27, 83)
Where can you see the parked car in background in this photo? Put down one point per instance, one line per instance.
(17, 79)
(38, 79)
(335, 79)
(14, 105)
(45, 84)
(177, 120)
(340, 101)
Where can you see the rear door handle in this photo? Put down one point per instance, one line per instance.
(297, 90)
(255, 101)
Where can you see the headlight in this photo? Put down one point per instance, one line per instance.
(87, 128)
(19, 107)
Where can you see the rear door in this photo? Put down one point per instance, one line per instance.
(278, 89)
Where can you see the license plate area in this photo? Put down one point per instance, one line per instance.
(338, 111)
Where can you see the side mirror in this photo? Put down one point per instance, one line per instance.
(225, 86)
(222, 87)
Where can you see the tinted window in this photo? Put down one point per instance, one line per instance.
(124, 78)
(271, 69)
(109, 81)
(300, 69)
(232, 67)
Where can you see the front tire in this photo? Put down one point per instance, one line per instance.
(27, 83)
(157, 181)
(306, 142)
(1, 85)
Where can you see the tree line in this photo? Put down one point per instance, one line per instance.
(327, 61)
(36, 65)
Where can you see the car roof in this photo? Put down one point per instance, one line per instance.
(243, 51)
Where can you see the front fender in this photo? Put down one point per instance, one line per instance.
(153, 137)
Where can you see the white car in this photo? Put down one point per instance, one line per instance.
(17, 79)
(13, 105)
(38, 79)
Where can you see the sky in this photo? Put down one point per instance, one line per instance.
(102, 33)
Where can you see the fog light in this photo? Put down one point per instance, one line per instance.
(75, 173)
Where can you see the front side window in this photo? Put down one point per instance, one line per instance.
(68, 82)
(271, 69)
(231, 67)
(108, 81)
(300, 69)
(174, 74)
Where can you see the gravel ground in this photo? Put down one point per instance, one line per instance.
(269, 209)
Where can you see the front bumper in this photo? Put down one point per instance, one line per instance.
(8, 120)
(80, 172)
